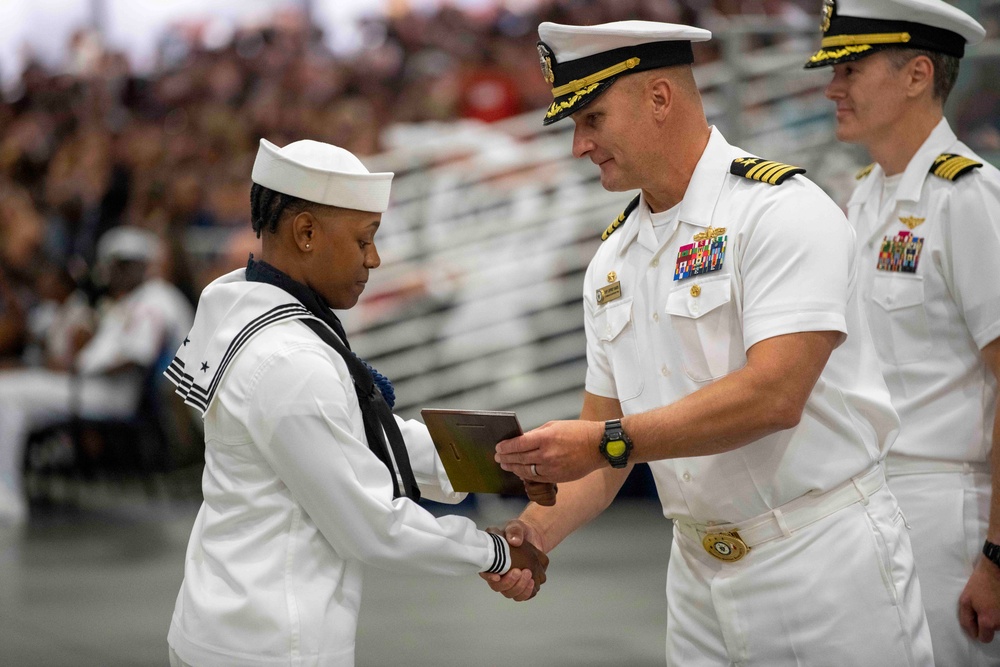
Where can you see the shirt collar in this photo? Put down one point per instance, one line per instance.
(938, 141)
(700, 198)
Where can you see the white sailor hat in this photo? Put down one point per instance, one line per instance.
(127, 243)
(853, 29)
(582, 61)
(321, 173)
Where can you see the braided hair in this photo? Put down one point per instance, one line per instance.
(267, 207)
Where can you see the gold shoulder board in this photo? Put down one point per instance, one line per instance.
(620, 220)
(952, 167)
(864, 172)
(766, 171)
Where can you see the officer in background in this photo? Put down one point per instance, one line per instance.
(726, 346)
(927, 219)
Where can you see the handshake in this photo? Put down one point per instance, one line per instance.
(528, 563)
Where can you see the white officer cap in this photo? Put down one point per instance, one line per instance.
(127, 243)
(321, 173)
(582, 61)
(853, 29)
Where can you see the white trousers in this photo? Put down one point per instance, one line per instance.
(841, 591)
(34, 398)
(948, 515)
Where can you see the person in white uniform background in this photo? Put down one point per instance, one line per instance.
(309, 478)
(141, 317)
(927, 219)
(726, 346)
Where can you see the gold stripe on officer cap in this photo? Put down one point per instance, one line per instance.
(579, 84)
(854, 40)
(854, 29)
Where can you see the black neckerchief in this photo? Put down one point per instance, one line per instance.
(375, 411)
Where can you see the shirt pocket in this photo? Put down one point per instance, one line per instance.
(616, 332)
(899, 319)
(704, 318)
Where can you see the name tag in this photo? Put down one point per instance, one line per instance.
(609, 292)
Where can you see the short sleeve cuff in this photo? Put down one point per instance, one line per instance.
(987, 336)
(760, 328)
(599, 386)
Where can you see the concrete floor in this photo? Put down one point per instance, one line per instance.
(93, 584)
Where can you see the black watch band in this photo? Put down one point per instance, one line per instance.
(615, 445)
(992, 552)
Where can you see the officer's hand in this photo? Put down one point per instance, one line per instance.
(518, 584)
(556, 452)
(979, 603)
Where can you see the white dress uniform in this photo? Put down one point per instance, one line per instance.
(295, 502)
(929, 255)
(134, 329)
(672, 305)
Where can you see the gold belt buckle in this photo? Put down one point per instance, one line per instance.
(729, 547)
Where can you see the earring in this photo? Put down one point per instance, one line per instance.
(307, 246)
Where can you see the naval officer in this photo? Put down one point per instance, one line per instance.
(927, 218)
(726, 346)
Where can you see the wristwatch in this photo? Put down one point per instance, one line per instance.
(615, 445)
(992, 552)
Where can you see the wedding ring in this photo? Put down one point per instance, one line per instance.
(534, 470)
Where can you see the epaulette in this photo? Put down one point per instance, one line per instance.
(864, 172)
(620, 220)
(766, 171)
(952, 167)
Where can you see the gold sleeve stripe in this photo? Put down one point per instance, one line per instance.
(765, 171)
(755, 171)
(873, 38)
(620, 220)
(579, 84)
(776, 176)
(951, 167)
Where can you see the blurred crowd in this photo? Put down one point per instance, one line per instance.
(94, 146)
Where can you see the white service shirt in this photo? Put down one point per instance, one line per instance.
(929, 325)
(788, 267)
(295, 503)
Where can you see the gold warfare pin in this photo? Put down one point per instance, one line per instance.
(610, 292)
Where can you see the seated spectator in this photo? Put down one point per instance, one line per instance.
(141, 317)
(60, 323)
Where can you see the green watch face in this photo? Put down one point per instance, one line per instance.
(615, 448)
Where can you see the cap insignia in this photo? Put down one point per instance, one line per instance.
(952, 167)
(766, 171)
(545, 60)
(826, 14)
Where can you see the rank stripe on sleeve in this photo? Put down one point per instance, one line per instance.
(765, 171)
(620, 220)
(951, 167)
